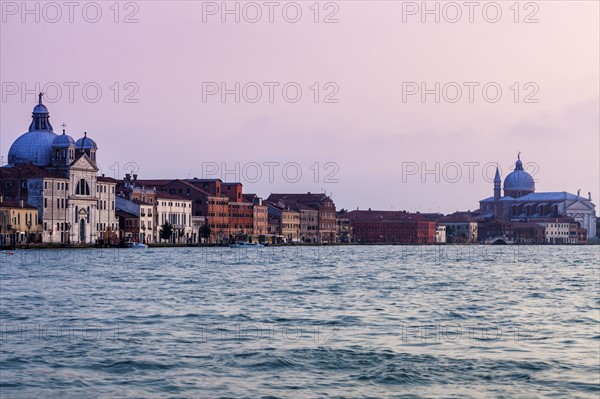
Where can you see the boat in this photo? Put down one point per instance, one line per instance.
(501, 240)
(243, 244)
(136, 245)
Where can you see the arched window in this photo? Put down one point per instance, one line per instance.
(82, 188)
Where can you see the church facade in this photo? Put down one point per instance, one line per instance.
(520, 203)
(58, 176)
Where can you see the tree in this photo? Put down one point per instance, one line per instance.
(166, 231)
(205, 231)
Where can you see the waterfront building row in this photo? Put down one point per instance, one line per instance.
(56, 177)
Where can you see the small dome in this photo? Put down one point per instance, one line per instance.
(63, 141)
(40, 109)
(32, 147)
(86, 143)
(519, 179)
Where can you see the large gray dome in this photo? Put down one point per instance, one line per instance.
(35, 146)
(32, 147)
(519, 179)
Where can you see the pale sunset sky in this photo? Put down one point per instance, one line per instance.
(369, 138)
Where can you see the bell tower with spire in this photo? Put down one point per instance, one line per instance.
(497, 185)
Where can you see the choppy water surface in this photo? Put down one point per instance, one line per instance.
(472, 321)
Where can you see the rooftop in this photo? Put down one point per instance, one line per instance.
(385, 216)
(26, 170)
(8, 203)
(126, 215)
(103, 179)
(164, 195)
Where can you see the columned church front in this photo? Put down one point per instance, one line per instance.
(58, 175)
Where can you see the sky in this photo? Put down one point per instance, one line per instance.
(376, 103)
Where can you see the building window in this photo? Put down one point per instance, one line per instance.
(82, 188)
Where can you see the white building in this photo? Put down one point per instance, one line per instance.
(440, 234)
(108, 225)
(176, 211)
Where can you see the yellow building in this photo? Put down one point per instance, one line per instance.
(286, 220)
(18, 222)
(290, 225)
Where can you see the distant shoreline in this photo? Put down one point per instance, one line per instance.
(84, 247)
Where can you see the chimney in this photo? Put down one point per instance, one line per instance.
(102, 174)
(127, 176)
(134, 177)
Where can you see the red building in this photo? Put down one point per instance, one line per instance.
(233, 191)
(528, 233)
(391, 227)
(241, 215)
(129, 228)
(260, 217)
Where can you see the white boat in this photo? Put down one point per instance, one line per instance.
(136, 245)
(242, 244)
(501, 240)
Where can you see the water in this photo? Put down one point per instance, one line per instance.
(385, 321)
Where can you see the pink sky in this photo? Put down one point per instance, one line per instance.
(369, 133)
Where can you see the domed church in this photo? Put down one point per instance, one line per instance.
(58, 175)
(521, 203)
